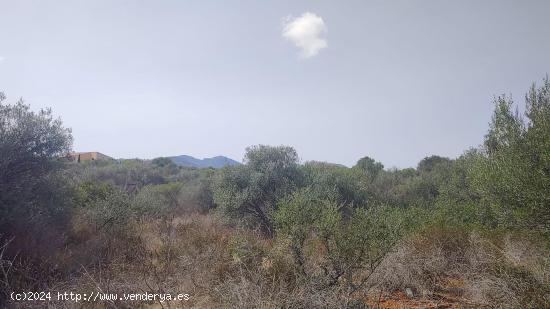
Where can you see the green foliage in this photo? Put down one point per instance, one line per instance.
(105, 206)
(513, 174)
(122, 173)
(458, 204)
(295, 217)
(432, 174)
(410, 187)
(89, 192)
(334, 182)
(431, 164)
(390, 187)
(30, 146)
(371, 167)
(355, 243)
(158, 200)
(253, 189)
(197, 192)
(163, 162)
(506, 127)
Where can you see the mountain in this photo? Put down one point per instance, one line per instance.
(216, 162)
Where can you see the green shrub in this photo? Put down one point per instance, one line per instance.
(354, 241)
(512, 175)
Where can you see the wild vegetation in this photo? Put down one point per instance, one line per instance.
(277, 233)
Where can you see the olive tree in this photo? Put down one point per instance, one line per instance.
(513, 173)
(252, 190)
(30, 143)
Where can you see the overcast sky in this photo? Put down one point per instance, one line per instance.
(394, 80)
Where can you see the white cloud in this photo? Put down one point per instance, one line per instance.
(2, 58)
(305, 32)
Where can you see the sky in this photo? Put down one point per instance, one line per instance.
(337, 80)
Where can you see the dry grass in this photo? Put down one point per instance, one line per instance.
(222, 266)
(469, 268)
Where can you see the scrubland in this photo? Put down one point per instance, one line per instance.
(274, 232)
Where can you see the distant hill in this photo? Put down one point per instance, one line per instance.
(216, 162)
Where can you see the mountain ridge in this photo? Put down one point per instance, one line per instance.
(215, 162)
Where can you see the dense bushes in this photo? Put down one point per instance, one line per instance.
(335, 182)
(513, 172)
(347, 247)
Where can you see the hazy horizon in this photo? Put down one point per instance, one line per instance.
(395, 81)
